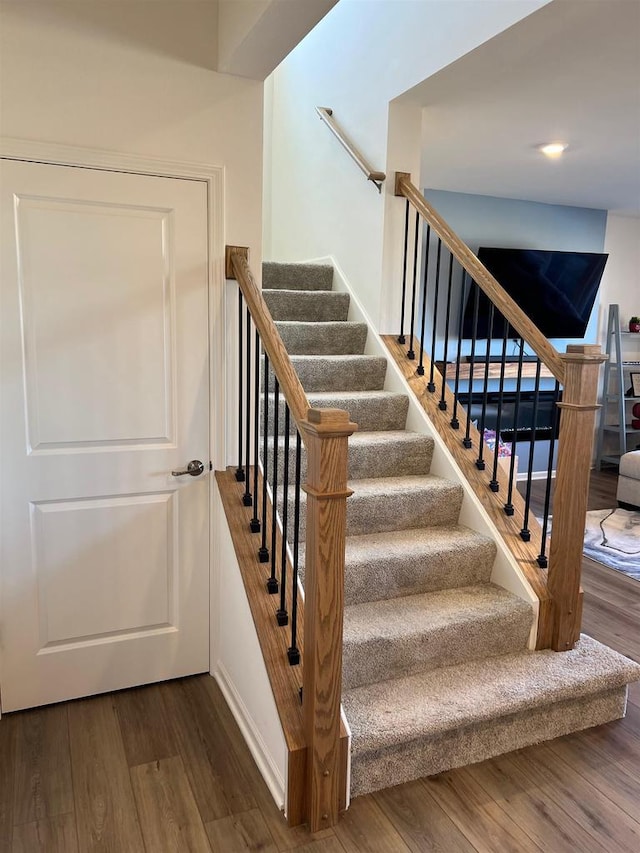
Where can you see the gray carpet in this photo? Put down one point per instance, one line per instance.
(436, 671)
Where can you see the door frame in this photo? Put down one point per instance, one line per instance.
(213, 176)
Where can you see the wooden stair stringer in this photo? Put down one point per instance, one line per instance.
(285, 680)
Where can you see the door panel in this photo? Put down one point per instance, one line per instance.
(104, 389)
(81, 339)
(107, 597)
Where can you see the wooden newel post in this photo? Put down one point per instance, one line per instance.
(326, 433)
(573, 469)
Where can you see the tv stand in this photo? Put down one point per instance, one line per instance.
(525, 429)
(497, 359)
(494, 370)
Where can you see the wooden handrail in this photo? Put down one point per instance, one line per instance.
(377, 178)
(237, 267)
(558, 589)
(510, 309)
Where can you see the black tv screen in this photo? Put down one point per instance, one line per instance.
(556, 290)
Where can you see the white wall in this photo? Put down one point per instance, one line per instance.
(254, 36)
(359, 58)
(621, 279)
(132, 77)
(237, 663)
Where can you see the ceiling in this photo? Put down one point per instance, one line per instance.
(569, 72)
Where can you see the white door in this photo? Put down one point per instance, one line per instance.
(104, 391)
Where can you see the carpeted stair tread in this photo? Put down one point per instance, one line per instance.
(399, 503)
(459, 747)
(312, 306)
(407, 562)
(395, 637)
(296, 276)
(338, 338)
(371, 454)
(340, 372)
(394, 503)
(408, 709)
(371, 410)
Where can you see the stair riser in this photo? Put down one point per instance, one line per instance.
(396, 576)
(371, 415)
(377, 513)
(310, 307)
(276, 276)
(357, 373)
(468, 745)
(485, 635)
(323, 339)
(394, 459)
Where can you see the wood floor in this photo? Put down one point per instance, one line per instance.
(164, 768)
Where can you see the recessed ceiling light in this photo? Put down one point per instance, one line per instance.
(553, 149)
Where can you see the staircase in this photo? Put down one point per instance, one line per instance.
(436, 667)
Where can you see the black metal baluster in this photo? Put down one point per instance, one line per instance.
(410, 353)
(525, 533)
(485, 391)
(401, 337)
(542, 556)
(293, 652)
(246, 498)
(508, 507)
(282, 616)
(425, 285)
(263, 551)
(466, 441)
(254, 524)
(431, 385)
(442, 405)
(272, 583)
(494, 485)
(240, 469)
(455, 423)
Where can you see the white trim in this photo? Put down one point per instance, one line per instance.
(95, 158)
(251, 734)
(537, 475)
(345, 722)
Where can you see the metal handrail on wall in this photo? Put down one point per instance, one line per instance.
(377, 178)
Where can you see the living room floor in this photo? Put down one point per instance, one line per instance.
(164, 767)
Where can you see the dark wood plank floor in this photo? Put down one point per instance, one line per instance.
(164, 768)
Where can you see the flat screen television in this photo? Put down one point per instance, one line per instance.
(555, 289)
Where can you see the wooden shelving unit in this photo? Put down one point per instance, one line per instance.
(615, 434)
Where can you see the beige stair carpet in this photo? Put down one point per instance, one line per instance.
(436, 668)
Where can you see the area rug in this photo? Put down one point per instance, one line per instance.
(612, 537)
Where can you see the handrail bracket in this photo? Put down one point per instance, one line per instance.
(376, 178)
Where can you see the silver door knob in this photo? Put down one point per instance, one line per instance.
(195, 467)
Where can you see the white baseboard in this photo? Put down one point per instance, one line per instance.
(254, 740)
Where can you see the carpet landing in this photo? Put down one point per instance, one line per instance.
(436, 668)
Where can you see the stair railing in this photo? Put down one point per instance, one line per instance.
(440, 274)
(272, 495)
(376, 178)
